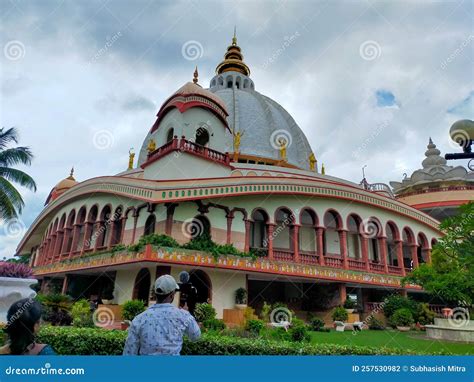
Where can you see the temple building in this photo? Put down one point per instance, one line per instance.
(230, 162)
(437, 188)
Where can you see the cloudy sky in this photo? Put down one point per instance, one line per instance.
(368, 82)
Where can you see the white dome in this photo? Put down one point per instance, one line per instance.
(262, 120)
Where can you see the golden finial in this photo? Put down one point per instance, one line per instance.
(131, 158)
(313, 162)
(195, 79)
(71, 174)
(234, 39)
(323, 170)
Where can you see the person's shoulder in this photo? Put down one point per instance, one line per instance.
(47, 350)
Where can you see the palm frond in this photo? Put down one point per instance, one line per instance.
(8, 136)
(18, 176)
(16, 155)
(7, 210)
(8, 193)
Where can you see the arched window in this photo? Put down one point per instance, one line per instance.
(307, 239)
(69, 232)
(104, 229)
(117, 225)
(258, 230)
(53, 239)
(422, 248)
(91, 232)
(150, 225)
(60, 236)
(170, 135)
(408, 241)
(202, 136)
(392, 235)
(332, 222)
(372, 231)
(282, 232)
(353, 237)
(81, 218)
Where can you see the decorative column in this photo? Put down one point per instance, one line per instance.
(87, 236)
(364, 245)
(65, 284)
(399, 249)
(414, 255)
(342, 293)
(320, 244)
(98, 233)
(52, 247)
(229, 216)
(270, 226)
(343, 246)
(66, 236)
(135, 215)
(295, 242)
(75, 238)
(382, 242)
(169, 218)
(247, 235)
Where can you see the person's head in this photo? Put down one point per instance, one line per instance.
(23, 322)
(165, 289)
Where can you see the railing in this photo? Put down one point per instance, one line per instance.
(283, 254)
(356, 264)
(184, 145)
(376, 267)
(309, 257)
(441, 189)
(334, 261)
(394, 270)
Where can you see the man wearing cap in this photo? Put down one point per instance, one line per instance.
(160, 329)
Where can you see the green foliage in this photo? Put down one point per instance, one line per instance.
(214, 324)
(205, 243)
(401, 317)
(204, 312)
(131, 309)
(81, 314)
(254, 326)
(96, 341)
(11, 201)
(56, 308)
(450, 276)
(376, 324)
(153, 239)
(299, 331)
(349, 303)
(118, 248)
(424, 315)
(265, 312)
(339, 314)
(396, 302)
(241, 296)
(316, 324)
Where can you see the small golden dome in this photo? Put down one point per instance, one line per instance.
(233, 60)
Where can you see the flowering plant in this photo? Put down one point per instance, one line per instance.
(21, 271)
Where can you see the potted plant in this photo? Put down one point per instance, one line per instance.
(241, 298)
(131, 309)
(349, 305)
(402, 319)
(108, 293)
(339, 316)
(15, 283)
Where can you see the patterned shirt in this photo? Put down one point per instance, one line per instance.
(159, 330)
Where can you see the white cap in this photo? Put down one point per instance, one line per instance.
(165, 285)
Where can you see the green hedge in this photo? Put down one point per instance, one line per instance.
(87, 341)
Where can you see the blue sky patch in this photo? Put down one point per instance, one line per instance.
(385, 98)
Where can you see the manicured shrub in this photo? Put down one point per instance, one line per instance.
(316, 324)
(402, 317)
(376, 324)
(204, 312)
(56, 308)
(214, 324)
(339, 314)
(299, 331)
(131, 309)
(349, 303)
(424, 315)
(265, 312)
(96, 341)
(395, 302)
(81, 314)
(241, 296)
(254, 326)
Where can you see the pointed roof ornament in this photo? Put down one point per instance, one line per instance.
(233, 59)
(234, 39)
(196, 74)
(71, 174)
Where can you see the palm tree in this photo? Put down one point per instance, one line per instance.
(11, 202)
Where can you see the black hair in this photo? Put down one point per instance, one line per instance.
(161, 297)
(21, 319)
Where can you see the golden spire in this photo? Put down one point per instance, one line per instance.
(323, 170)
(131, 158)
(233, 59)
(71, 174)
(196, 74)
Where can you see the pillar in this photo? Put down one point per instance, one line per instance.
(364, 244)
(65, 284)
(229, 217)
(270, 240)
(247, 235)
(399, 249)
(382, 242)
(414, 254)
(98, 233)
(320, 244)
(169, 218)
(75, 238)
(87, 236)
(342, 293)
(343, 245)
(295, 242)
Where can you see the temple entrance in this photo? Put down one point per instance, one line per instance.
(201, 281)
(141, 289)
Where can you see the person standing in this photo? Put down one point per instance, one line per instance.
(160, 329)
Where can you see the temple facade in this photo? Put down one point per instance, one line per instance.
(231, 163)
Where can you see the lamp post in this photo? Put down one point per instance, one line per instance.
(462, 132)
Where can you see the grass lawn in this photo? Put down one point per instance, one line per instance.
(413, 340)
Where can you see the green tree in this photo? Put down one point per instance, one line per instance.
(11, 202)
(450, 275)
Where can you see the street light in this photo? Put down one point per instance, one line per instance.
(462, 132)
